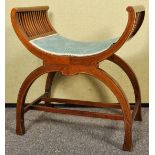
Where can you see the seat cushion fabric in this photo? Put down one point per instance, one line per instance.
(59, 45)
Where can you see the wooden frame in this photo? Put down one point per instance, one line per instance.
(33, 22)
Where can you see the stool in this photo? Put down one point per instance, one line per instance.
(70, 57)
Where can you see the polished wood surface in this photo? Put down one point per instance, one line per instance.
(33, 22)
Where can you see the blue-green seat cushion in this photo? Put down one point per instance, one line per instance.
(59, 45)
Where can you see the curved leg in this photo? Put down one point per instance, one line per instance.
(20, 129)
(49, 80)
(118, 92)
(97, 73)
(133, 79)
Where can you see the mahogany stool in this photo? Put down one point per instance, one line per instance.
(69, 57)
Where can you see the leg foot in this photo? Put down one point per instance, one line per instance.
(139, 114)
(128, 146)
(20, 128)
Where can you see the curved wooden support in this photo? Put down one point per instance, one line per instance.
(118, 92)
(20, 129)
(135, 19)
(93, 71)
(133, 79)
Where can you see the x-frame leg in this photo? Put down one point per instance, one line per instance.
(93, 71)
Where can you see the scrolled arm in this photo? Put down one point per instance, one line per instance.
(135, 19)
(31, 22)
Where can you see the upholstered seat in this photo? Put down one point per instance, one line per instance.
(59, 45)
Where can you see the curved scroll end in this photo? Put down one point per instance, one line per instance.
(31, 22)
(139, 12)
(135, 19)
(136, 16)
(137, 8)
(124, 37)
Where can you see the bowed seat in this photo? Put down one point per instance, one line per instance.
(59, 45)
(70, 57)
